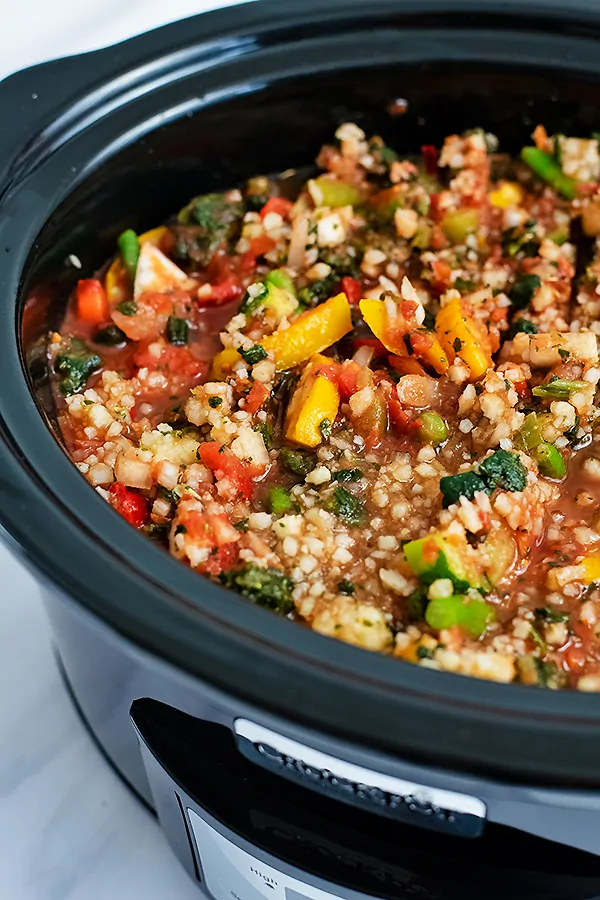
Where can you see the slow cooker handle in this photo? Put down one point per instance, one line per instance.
(30, 101)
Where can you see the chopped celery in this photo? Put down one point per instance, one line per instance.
(530, 435)
(279, 278)
(549, 460)
(280, 501)
(433, 429)
(437, 556)
(328, 192)
(443, 612)
(559, 388)
(472, 615)
(458, 225)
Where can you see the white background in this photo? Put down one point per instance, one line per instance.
(69, 829)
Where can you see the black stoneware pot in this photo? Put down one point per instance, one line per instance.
(122, 137)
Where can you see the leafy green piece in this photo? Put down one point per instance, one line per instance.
(523, 290)
(250, 303)
(504, 470)
(550, 615)
(298, 462)
(127, 307)
(325, 429)
(178, 331)
(270, 587)
(266, 429)
(346, 506)
(111, 336)
(318, 291)
(213, 212)
(345, 475)
(253, 354)
(524, 326)
(214, 402)
(76, 363)
(204, 224)
(242, 525)
(464, 284)
(536, 671)
(465, 484)
(280, 501)
(346, 587)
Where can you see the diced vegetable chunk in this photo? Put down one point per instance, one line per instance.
(268, 587)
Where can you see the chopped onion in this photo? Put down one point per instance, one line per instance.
(363, 356)
(297, 248)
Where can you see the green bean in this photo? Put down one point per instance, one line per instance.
(544, 165)
(129, 246)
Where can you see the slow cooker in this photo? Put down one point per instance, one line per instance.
(280, 763)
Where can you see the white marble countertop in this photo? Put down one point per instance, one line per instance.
(70, 828)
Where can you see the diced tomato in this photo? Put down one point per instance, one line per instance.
(261, 245)
(352, 288)
(226, 464)
(247, 263)
(389, 197)
(221, 560)
(226, 290)
(348, 380)
(330, 370)
(172, 361)
(421, 343)
(400, 419)
(522, 389)
(132, 506)
(575, 656)
(378, 347)
(405, 365)
(276, 205)
(430, 158)
(92, 305)
(215, 532)
(150, 318)
(255, 399)
(224, 274)
(442, 274)
(430, 551)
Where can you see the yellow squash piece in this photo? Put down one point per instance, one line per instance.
(510, 193)
(116, 282)
(430, 349)
(315, 400)
(312, 332)
(460, 335)
(591, 564)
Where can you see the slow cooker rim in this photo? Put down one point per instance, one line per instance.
(507, 700)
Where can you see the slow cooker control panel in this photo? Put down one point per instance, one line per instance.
(253, 815)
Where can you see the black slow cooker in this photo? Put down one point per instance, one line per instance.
(280, 763)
